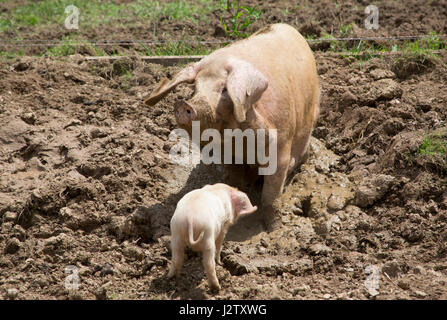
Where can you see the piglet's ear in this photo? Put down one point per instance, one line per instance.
(245, 85)
(187, 74)
(241, 204)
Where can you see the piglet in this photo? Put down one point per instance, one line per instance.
(201, 221)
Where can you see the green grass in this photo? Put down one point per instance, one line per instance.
(176, 48)
(435, 143)
(64, 49)
(126, 79)
(44, 13)
(70, 46)
(365, 50)
(12, 53)
(421, 49)
(241, 18)
(32, 19)
(346, 30)
(433, 42)
(175, 10)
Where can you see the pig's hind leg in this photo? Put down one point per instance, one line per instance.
(209, 264)
(219, 243)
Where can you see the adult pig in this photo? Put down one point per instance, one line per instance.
(267, 81)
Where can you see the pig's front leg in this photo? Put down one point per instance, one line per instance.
(272, 190)
(178, 254)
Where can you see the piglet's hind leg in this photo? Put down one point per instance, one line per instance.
(210, 268)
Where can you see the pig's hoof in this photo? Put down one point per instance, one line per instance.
(274, 225)
(171, 274)
(272, 221)
(215, 288)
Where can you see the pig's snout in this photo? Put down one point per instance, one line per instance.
(184, 113)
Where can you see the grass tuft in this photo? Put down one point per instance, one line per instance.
(241, 18)
(435, 143)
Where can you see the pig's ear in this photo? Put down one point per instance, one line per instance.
(241, 204)
(245, 85)
(187, 74)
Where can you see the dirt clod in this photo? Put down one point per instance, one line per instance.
(392, 269)
(372, 189)
(9, 216)
(12, 246)
(318, 248)
(12, 294)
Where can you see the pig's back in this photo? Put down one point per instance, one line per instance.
(205, 210)
(273, 49)
(282, 54)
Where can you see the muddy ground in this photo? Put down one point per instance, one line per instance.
(86, 180)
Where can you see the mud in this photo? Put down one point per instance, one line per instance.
(86, 180)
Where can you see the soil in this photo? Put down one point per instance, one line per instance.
(86, 181)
